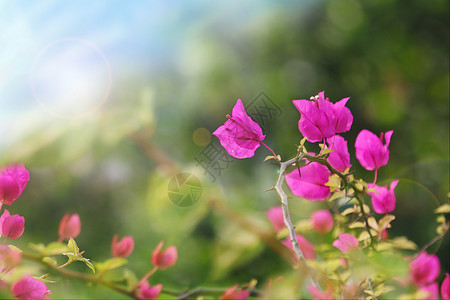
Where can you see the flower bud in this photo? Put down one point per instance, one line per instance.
(9, 258)
(69, 227)
(275, 215)
(11, 226)
(383, 199)
(322, 221)
(122, 248)
(371, 153)
(13, 180)
(233, 294)
(346, 242)
(164, 259)
(30, 288)
(424, 268)
(146, 291)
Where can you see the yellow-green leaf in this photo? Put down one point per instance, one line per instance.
(443, 209)
(73, 246)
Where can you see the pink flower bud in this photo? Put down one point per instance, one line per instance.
(30, 288)
(69, 227)
(445, 287)
(275, 215)
(233, 294)
(164, 259)
(310, 183)
(305, 246)
(346, 242)
(424, 269)
(13, 180)
(370, 151)
(146, 291)
(122, 248)
(383, 199)
(322, 221)
(9, 258)
(11, 226)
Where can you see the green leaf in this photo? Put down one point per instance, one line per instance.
(73, 256)
(385, 221)
(326, 151)
(73, 246)
(110, 264)
(50, 261)
(443, 209)
(55, 248)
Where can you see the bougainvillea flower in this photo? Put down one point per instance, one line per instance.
(346, 242)
(432, 291)
(148, 292)
(122, 248)
(9, 258)
(445, 287)
(424, 269)
(240, 135)
(69, 227)
(164, 259)
(340, 157)
(234, 294)
(318, 294)
(319, 118)
(30, 288)
(322, 221)
(305, 246)
(370, 151)
(13, 180)
(275, 215)
(383, 199)
(310, 183)
(11, 226)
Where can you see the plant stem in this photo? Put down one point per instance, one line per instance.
(270, 149)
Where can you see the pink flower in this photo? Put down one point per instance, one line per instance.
(383, 200)
(164, 259)
(146, 291)
(240, 135)
(432, 290)
(30, 288)
(69, 227)
(318, 294)
(13, 180)
(340, 157)
(424, 269)
(11, 226)
(233, 294)
(346, 242)
(306, 247)
(322, 221)
(9, 258)
(122, 248)
(370, 151)
(445, 287)
(322, 119)
(310, 184)
(275, 215)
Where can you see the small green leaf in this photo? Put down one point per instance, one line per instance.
(78, 257)
(385, 221)
(443, 209)
(269, 157)
(110, 264)
(73, 246)
(55, 248)
(326, 151)
(50, 261)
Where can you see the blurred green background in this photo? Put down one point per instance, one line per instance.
(101, 102)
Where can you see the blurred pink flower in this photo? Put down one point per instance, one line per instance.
(275, 215)
(318, 294)
(432, 291)
(148, 292)
(370, 151)
(240, 135)
(9, 258)
(424, 269)
(233, 294)
(164, 259)
(383, 200)
(122, 248)
(340, 157)
(346, 242)
(30, 288)
(322, 119)
(306, 247)
(310, 184)
(13, 180)
(445, 287)
(322, 221)
(11, 226)
(69, 227)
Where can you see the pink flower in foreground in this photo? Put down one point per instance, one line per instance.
(310, 183)
(275, 215)
(30, 288)
(233, 294)
(340, 157)
(346, 242)
(318, 294)
(9, 258)
(306, 247)
(383, 200)
(370, 151)
(122, 248)
(13, 180)
(445, 287)
(69, 227)
(164, 259)
(11, 226)
(424, 269)
(148, 292)
(240, 135)
(322, 119)
(432, 291)
(322, 221)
